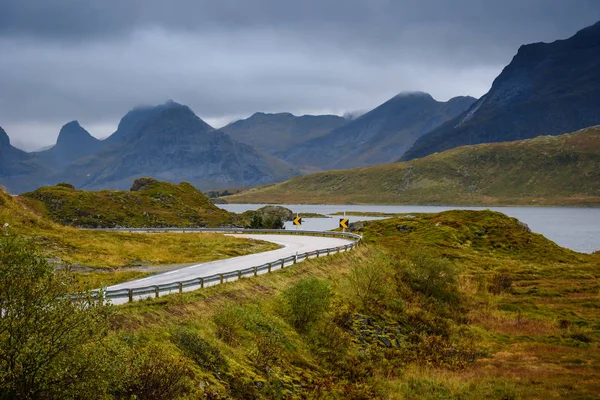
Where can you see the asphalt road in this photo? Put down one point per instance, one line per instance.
(291, 245)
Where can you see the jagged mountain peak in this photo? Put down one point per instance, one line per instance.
(547, 89)
(73, 133)
(4, 139)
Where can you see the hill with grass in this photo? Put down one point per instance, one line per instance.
(431, 306)
(112, 257)
(547, 89)
(149, 203)
(547, 170)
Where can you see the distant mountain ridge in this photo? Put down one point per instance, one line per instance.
(381, 135)
(279, 133)
(167, 141)
(547, 89)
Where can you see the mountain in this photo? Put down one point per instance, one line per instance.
(278, 133)
(170, 143)
(547, 89)
(73, 142)
(17, 168)
(380, 136)
(547, 170)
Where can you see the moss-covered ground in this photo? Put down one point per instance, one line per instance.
(118, 250)
(455, 305)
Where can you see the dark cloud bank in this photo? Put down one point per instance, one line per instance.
(92, 61)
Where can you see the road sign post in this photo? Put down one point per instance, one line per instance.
(297, 221)
(344, 223)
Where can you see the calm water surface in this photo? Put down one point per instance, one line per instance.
(574, 228)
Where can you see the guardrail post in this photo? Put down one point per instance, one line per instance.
(328, 250)
(156, 291)
(221, 279)
(255, 271)
(201, 283)
(296, 258)
(318, 251)
(270, 264)
(130, 295)
(180, 287)
(239, 274)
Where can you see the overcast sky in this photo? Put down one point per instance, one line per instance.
(94, 60)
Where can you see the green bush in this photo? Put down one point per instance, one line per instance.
(429, 274)
(500, 283)
(306, 302)
(367, 285)
(199, 350)
(153, 372)
(48, 339)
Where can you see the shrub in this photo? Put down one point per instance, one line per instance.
(65, 185)
(199, 350)
(429, 274)
(47, 338)
(229, 325)
(500, 283)
(368, 284)
(306, 302)
(153, 372)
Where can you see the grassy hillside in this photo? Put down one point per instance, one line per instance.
(67, 245)
(484, 309)
(557, 170)
(151, 204)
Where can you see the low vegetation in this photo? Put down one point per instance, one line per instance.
(458, 305)
(149, 204)
(120, 252)
(547, 170)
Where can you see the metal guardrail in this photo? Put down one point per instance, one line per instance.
(201, 282)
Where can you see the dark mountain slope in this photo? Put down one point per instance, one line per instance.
(73, 143)
(278, 133)
(381, 135)
(19, 171)
(171, 143)
(547, 89)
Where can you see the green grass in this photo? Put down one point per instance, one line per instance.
(557, 170)
(536, 339)
(157, 204)
(71, 246)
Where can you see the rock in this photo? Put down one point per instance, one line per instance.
(356, 226)
(405, 228)
(142, 183)
(408, 217)
(524, 226)
(387, 342)
(219, 200)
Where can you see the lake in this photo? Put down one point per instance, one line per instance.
(572, 227)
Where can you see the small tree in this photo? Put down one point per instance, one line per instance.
(46, 336)
(306, 302)
(257, 222)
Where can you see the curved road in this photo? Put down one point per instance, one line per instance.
(291, 245)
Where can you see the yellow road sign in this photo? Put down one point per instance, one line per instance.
(298, 221)
(344, 222)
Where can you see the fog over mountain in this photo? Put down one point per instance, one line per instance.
(88, 61)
